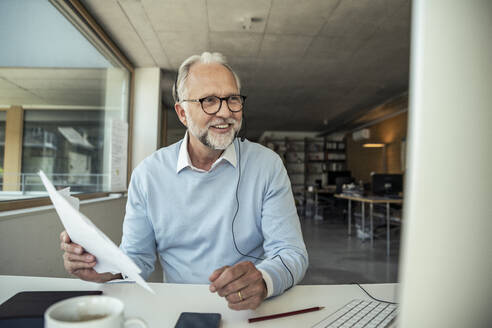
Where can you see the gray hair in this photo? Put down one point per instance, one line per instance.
(179, 87)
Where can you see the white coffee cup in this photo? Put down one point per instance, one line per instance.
(89, 312)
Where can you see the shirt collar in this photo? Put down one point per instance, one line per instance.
(184, 160)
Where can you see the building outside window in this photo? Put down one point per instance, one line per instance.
(69, 147)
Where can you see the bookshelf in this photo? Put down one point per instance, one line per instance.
(308, 161)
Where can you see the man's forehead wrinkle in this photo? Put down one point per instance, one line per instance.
(210, 79)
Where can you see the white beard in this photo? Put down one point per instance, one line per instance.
(211, 139)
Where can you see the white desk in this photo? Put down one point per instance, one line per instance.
(371, 200)
(162, 310)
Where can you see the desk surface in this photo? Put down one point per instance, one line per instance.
(371, 199)
(163, 309)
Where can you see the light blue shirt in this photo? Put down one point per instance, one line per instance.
(185, 215)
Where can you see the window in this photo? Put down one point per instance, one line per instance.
(64, 100)
(2, 143)
(67, 145)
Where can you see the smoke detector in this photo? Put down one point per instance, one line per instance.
(247, 22)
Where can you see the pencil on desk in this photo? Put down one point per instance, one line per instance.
(286, 314)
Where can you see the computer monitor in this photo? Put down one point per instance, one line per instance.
(333, 175)
(340, 181)
(446, 258)
(387, 184)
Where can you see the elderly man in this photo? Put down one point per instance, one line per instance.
(210, 201)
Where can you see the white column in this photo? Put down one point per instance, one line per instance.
(146, 113)
(447, 261)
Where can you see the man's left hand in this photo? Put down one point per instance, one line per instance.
(242, 285)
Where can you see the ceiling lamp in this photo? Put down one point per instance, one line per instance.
(373, 145)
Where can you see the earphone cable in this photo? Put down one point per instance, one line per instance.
(234, 219)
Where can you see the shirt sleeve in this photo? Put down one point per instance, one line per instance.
(286, 258)
(268, 282)
(138, 240)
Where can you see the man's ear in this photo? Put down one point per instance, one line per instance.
(181, 113)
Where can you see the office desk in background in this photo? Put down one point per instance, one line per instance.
(162, 310)
(371, 200)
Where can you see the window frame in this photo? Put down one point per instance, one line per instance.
(78, 15)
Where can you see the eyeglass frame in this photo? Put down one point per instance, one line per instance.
(200, 100)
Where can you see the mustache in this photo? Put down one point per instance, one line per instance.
(223, 121)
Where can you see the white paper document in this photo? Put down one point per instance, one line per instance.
(83, 232)
(119, 144)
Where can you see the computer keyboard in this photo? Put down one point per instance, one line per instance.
(361, 313)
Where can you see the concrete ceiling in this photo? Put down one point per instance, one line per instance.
(305, 65)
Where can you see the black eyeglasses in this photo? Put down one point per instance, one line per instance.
(212, 104)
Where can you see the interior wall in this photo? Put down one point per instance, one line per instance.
(30, 245)
(174, 135)
(362, 161)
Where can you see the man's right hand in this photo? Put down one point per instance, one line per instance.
(80, 263)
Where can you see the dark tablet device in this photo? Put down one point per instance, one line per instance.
(198, 320)
(26, 309)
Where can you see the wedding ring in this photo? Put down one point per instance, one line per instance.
(240, 296)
